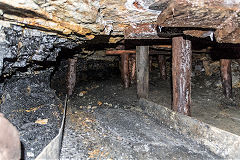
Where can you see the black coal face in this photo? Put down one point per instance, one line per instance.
(22, 48)
(27, 61)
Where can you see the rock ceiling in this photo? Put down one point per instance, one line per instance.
(89, 18)
(79, 16)
(37, 30)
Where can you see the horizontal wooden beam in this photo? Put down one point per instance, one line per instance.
(219, 16)
(142, 31)
(165, 50)
(119, 52)
(163, 46)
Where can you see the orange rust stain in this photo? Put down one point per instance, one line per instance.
(137, 5)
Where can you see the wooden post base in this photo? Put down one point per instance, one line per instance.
(181, 75)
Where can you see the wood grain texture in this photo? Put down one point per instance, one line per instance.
(162, 66)
(124, 69)
(220, 15)
(71, 75)
(226, 75)
(142, 58)
(181, 75)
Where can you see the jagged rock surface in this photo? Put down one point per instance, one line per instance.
(79, 16)
(22, 48)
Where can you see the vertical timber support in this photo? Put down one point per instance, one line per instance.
(142, 58)
(162, 66)
(71, 75)
(125, 70)
(181, 75)
(226, 74)
(132, 68)
(150, 63)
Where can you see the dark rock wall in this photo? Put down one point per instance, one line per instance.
(22, 48)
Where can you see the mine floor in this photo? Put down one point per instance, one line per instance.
(104, 120)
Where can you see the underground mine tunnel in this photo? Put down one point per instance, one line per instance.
(127, 79)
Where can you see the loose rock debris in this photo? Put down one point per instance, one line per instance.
(36, 114)
(109, 133)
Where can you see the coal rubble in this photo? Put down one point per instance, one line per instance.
(27, 101)
(30, 104)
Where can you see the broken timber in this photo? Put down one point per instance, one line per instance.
(226, 75)
(142, 58)
(181, 75)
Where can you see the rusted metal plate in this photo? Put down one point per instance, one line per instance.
(221, 15)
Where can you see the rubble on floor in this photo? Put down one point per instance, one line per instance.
(32, 106)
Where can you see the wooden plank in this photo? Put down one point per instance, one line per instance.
(117, 52)
(195, 13)
(226, 75)
(181, 75)
(220, 15)
(142, 58)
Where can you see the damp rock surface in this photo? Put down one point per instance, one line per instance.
(30, 105)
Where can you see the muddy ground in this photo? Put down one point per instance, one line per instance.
(105, 121)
